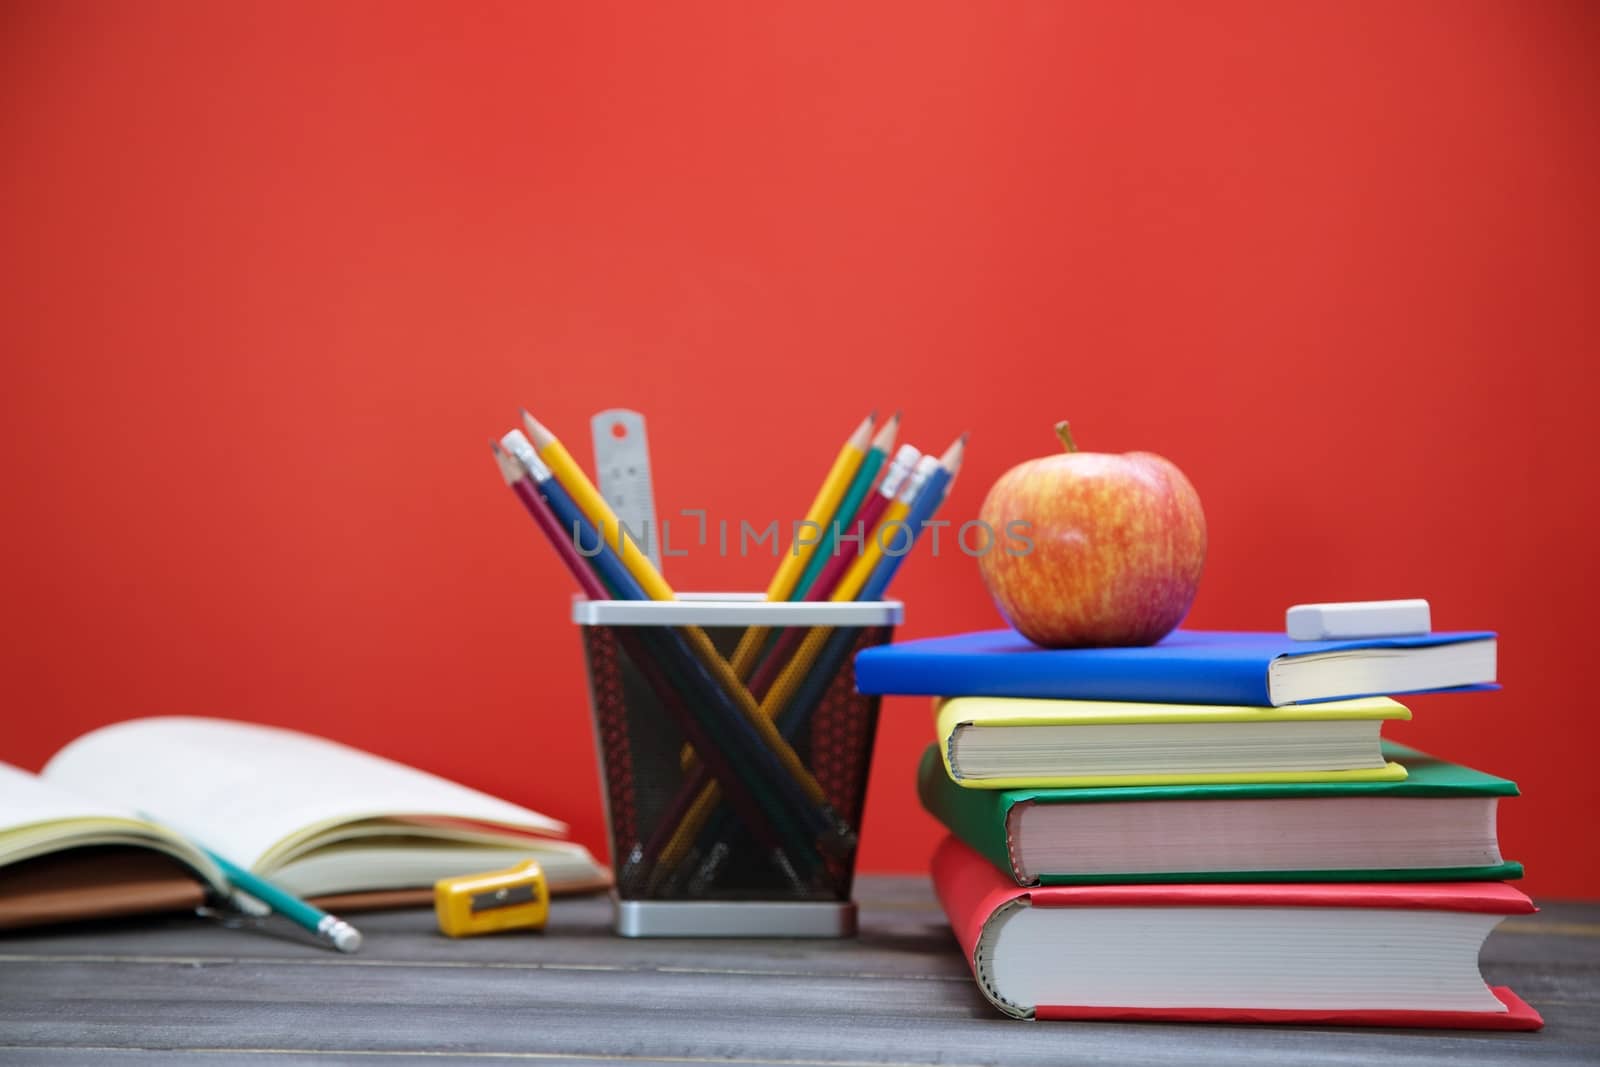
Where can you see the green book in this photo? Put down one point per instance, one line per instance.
(1438, 824)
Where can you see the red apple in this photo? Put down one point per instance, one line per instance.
(1118, 542)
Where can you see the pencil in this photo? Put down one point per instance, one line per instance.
(929, 499)
(519, 481)
(860, 486)
(329, 928)
(831, 585)
(822, 509)
(594, 507)
(831, 492)
(892, 532)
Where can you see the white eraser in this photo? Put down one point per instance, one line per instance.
(1362, 618)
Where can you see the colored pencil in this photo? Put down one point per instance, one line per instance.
(846, 515)
(891, 533)
(594, 507)
(866, 524)
(929, 499)
(330, 929)
(822, 509)
(518, 479)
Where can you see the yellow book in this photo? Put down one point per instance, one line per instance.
(1010, 743)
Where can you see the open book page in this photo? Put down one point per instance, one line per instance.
(27, 800)
(250, 792)
(378, 863)
(434, 831)
(38, 817)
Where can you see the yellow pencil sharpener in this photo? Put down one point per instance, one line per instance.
(514, 899)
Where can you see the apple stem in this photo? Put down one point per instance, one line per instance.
(1064, 432)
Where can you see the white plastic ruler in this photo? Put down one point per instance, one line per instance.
(622, 462)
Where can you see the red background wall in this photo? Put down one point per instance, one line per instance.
(275, 272)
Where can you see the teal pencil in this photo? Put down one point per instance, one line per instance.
(860, 486)
(330, 928)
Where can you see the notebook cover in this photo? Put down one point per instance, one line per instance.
(150, 884)
(1185, 667)
(971, 890)
(982, 712)
(78, 885)
(95, 883)
(979, 817)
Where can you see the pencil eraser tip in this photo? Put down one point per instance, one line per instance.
(346, 938)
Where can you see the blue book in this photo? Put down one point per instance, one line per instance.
(1185, 667)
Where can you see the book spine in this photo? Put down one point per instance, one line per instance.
(976, 816)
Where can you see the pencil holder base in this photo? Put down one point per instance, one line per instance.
(720, 918)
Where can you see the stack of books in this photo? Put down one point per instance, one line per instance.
(1211, 827)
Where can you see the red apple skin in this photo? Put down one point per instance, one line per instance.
(1118, 545)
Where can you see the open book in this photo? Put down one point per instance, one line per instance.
(116, 821)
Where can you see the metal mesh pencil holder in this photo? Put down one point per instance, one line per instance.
(733, 801)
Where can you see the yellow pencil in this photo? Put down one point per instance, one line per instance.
(794, 562)
(822, 508)
(891, 531)
(595, 508)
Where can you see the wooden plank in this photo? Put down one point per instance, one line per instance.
(899, 916)
(898, 994)
(642, 1014)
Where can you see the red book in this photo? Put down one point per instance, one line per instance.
(1359, 954)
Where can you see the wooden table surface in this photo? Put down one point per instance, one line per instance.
(185, 991)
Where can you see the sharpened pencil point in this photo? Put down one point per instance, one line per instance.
(536, 430)
(510, 469)
(863, 433)
(884, 441)
(951, 460)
